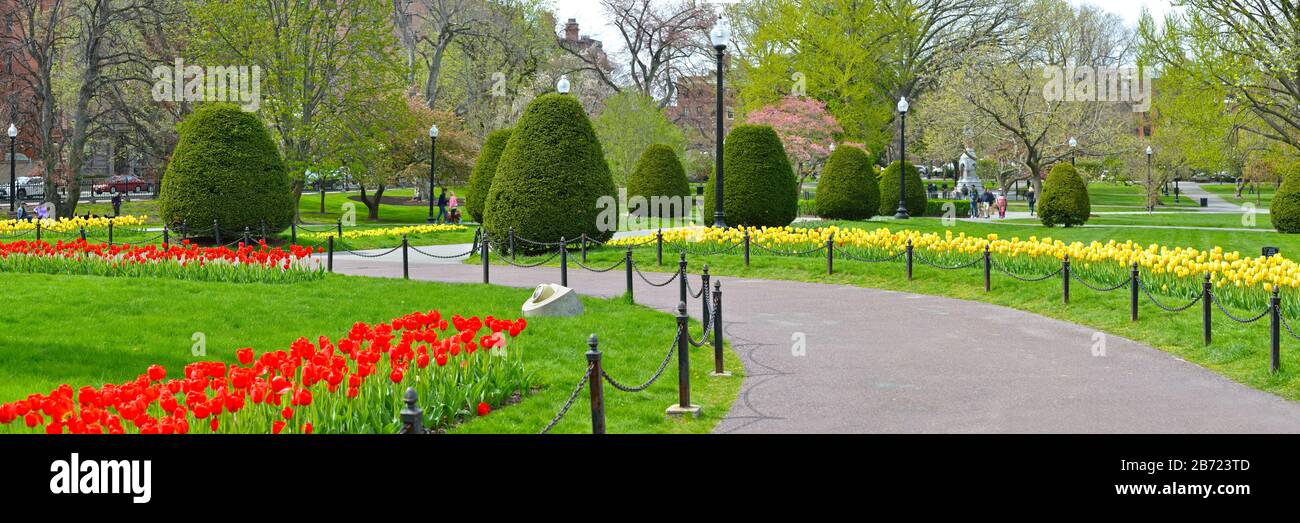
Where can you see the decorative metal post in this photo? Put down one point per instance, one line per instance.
(1065, 279)
(1135, 282)
(110, 233)
(584, 247)
(412, 416)
(293, 233)
(659, 240)
(406, 267)
(564, 262)
(830, 255)
(683, 405)
(717, 330)
(216, 231)
(911, 253)
(596, 380)
(166, 237)
(1275, 331)
(38, 230)
(681, 278)
(627, 265)
(83, 233)
(704, 295)
(330, 256)
(486, 245)
(747, 247)
(511, 244)
(246, 238)
(1207, 296)
(340, 227)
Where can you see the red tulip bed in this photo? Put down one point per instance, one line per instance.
(352, 386)
(248, 263)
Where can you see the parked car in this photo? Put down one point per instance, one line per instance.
(122, 184)
(29, 187)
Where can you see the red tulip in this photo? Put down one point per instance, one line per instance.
(483, 409)
(213, 425)
(157, 373)
(33, 419)
(277, 427)
(396, 376)
(245, 356)
(307, 428)
(287, 413)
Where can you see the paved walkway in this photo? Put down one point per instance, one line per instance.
(888, 362)
(1194, 191)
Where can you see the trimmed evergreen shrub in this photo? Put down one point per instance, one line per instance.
(226, 168)
(848, 189)
(485, 169)
(1065, 198)
(659, 173)
(551, 177)
(934, 208)
(915, 191)
(759, 187)
(1285, 210)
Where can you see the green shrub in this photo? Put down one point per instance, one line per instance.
(225, 168)
(759, 187)
(1065, 198)
(480, 180)
(1285, 210)
(848, 189)
(935, 208)
(915, 191)
(659, 177)
(551, 177)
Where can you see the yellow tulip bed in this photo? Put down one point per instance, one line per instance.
(388, 232)
(1177, 272)
(68, 224)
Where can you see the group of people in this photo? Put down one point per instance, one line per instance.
(982, 205)
(40, 213)
(448, 207)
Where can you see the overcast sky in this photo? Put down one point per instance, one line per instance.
(591, 18)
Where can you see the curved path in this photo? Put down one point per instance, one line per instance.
(883, 361)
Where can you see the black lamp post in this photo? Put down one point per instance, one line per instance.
(433, 170)
(902, 160)
(721, 37)
(1074, 145)
(13, 168)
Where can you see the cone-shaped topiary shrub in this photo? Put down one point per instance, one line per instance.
(1065, 198)
(915, 190)
(485, 169)
(1285, 210)
(226, 168)
(848, 189)
(660, 179)
(551, 177)
(759, 187)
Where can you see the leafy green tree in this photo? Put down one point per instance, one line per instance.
(848, 189)
(660, 179)
(1064, 198)
(630, 123)
(759, 187)
(914, 190)
(485, 170)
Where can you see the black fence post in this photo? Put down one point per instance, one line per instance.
(564, 262)
(595, 379)
(1275, 331)
(110, 233)
(683, 405)
(988, 270)
(340, 225)
(1065, 279)
(293, 233)
(511, 243)
(83, 233)
(412, 416)
(330, 256)
(659, 248)
(263, 230)
(704, 295)
(627, 265)
(717, 330)
(1135, 281)
(216, 231)
(1207, 311)
(911, 252)
(38, 231)
(185, 229)
(681, 277)
(246, 238)
(406, 266)
(584, 247)
(747, 247)
(485, 245)
(167, 240)
(830, 255)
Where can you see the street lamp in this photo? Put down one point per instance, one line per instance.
(13, 157)
(1150, 207)
(563, 85)
(902, 161)
(1074, 144)
(721, 37)
(433, 169)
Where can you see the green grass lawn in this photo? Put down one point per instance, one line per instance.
(85, 330)
(1177, 219)
(1238, 352)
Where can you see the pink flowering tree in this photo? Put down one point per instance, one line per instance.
(806, 129)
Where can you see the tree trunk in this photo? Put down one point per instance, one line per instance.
(372, 206)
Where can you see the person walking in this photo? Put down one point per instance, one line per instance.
(442, 206)
(117, 204)
(986, 204)
(1001, 204)
(453, 216)
(974, 204)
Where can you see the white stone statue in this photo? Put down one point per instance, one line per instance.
(966, 165)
